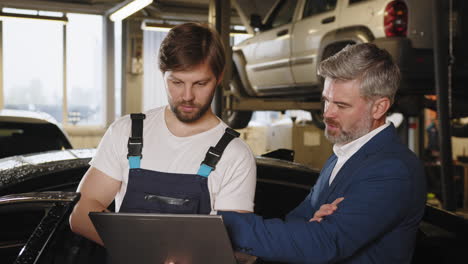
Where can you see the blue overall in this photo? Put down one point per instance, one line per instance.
(162, 192)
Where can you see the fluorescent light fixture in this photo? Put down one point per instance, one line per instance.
(160, 27)
(128, 8)
(163, 27)
(8, 16)
(49, 13)
(20, 11)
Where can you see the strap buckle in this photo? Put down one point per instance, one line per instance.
(135, 146)
(232, 132)
(138, 116)
(212, 157)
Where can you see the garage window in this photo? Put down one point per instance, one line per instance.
(56, 68)
(85, 92)
(33, 65)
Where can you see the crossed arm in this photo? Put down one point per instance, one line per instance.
(326, 209)
(373, 206)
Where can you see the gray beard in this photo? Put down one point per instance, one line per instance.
(345, 137)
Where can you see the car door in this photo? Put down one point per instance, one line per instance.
(18, 222)
(35, 230)
(318, 18)
(267, 56)
(29, 221)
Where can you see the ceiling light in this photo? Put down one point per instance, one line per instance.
(160, 27)
(128, 8)
(164, 27)
(7, 16)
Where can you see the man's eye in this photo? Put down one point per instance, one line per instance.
(201, 83)
(176, 82)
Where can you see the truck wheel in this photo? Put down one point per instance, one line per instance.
(317, 115)
(237, 119)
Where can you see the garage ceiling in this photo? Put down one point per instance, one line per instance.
(181, 10)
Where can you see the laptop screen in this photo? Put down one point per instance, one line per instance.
(163, 238)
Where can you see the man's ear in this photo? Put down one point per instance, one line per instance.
(380, 107)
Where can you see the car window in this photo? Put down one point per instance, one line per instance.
(23, 138)
(283, 13)
(313, 7)
(356, 1)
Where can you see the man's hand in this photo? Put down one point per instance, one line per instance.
(326, 209)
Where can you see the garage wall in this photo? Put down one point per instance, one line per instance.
(83, 137)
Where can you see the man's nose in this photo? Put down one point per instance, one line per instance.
(329, 111)
(188, 93)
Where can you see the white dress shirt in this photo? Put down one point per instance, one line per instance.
(344, 152)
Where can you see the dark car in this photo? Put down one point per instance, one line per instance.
(34, 226)
(23, 132)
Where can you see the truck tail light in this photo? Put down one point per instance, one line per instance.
(396, 19)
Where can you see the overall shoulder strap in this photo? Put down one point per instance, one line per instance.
(135, 142)
(214, 153)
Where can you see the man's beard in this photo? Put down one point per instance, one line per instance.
(190, 117)
(342, 137)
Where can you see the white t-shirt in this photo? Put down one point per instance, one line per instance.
(231, 184)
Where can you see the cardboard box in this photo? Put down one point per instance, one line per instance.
(310, 145)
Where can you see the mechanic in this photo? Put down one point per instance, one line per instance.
(382, 181)
(179, 158)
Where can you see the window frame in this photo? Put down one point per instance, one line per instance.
(356, 2)
(108, 83)
(304, 15)
(277, 10)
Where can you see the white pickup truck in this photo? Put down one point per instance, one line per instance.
(280, 60)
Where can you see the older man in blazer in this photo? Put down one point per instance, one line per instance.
(381, 180)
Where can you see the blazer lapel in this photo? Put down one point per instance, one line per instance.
(322, 183)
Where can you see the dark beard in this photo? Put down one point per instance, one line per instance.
(190, 118)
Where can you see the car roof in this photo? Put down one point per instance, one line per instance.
(23, 116)
(17, 169)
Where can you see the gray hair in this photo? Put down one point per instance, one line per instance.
(373, 67)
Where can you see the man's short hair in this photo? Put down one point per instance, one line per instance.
(190, 44)
(373, 67)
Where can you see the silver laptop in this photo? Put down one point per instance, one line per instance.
(164, 238)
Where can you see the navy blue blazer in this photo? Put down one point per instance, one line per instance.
(384, 188)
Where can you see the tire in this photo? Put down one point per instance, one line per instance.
(317, 115)
(237, 119)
